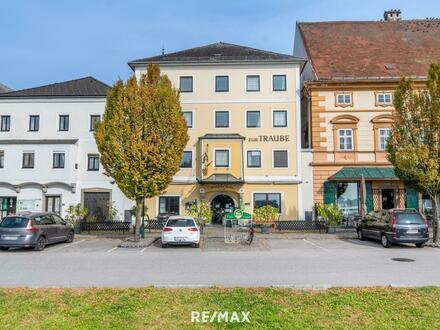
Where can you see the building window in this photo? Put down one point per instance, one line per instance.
(222, 84)
(188, 115)
(252, 83)
(221, 119)
(279, 83)
(383, 98)
(93, 162)
(280, 118)
(28, 160)
(169, 205)
(221, 158)
(253, 119)
(347, 198)
(186, 160)
(254, 158)
(34, 123)
(5, 123)
(58, 159)
(2, 159)
(345, 139)
(263, 199)
(384, 135)
(94, 119)
(344, 99)
(280, 159)
(186, 84)
(63, 123)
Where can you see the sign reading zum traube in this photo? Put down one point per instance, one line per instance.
(270, 138)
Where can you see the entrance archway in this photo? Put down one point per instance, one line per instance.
(220, 205)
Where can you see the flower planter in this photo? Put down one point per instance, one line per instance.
(265, 229)
(77, 229)
(331, 230)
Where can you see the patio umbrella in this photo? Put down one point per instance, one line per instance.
(363, 197)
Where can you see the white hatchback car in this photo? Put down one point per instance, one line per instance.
(180, 230)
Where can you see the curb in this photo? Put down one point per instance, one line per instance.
(138, 245)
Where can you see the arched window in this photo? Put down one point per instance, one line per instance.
(381, 127)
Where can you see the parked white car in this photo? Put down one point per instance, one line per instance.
(180, 230)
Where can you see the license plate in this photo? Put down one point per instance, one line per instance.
(179, 239)
(412, 231)
(9, 238)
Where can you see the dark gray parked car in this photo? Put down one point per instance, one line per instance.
(394, 226)
(34, 230)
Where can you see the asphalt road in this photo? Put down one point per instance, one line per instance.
(279, 263)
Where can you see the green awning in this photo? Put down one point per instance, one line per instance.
(369, 173)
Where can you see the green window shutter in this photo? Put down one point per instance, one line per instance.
(411, 199)
(329, 192)
(369, 196)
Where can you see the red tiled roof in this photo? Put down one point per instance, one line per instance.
(371, 50)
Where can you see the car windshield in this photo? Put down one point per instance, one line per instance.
(180, 223)
(409, 218)
(14, 222)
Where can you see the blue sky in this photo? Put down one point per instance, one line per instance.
(49, 41)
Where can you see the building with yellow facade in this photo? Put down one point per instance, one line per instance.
(242, 107)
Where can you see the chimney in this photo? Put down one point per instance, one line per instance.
(392, 15)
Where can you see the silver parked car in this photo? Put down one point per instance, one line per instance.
(34, 230)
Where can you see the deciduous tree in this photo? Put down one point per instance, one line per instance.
(414, 145)
(142, 136)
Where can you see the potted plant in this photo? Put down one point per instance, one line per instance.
(76, 213)
(265, 216)
(331, 214)
(202, 213)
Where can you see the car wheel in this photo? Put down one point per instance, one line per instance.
(4, 248)
(70, 237)
(41, 244)
(196, 245)
(385, 241)
(420, 245)
(360, 234)
(164, 246)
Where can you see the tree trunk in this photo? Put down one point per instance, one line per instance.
(137, 224)
(435, 219)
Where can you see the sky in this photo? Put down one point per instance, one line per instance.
(48, 41)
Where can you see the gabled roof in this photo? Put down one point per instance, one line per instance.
(219, 52)
(371, 50)
(83, 87)
(4, 88)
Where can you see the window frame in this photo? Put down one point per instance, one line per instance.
(88, 162)
(227, 84)
(215, 118)
(168, 196)
(92, 127)
(24, 157)
(259, 118)
(191, 161)
(228, 150)
(273, 82)
(35, 119)
(273, 119)
(259, 83)
(180, 84)
(247, 158)
(379, 138)
(54, 156)
(192, 118)
(383, 104)
(345, 137)
(62, 118)
(2, 159)
(273, 158)
(8, 121)
(267, 193)
(343, 104)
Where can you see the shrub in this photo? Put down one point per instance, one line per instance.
(265, 214)
(201, 211)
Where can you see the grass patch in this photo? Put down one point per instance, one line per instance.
(363, 308)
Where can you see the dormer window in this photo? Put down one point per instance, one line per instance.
(344, 99)
(383, 99)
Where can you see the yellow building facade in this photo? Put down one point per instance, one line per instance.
(242, 110)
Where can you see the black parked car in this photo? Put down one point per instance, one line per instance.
(34, 230)
(394, 226)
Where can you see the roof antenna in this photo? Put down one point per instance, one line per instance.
(163, 49)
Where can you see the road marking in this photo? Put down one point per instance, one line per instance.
(143, 249)
(316, 245)
(112, 249)
(65, 246)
